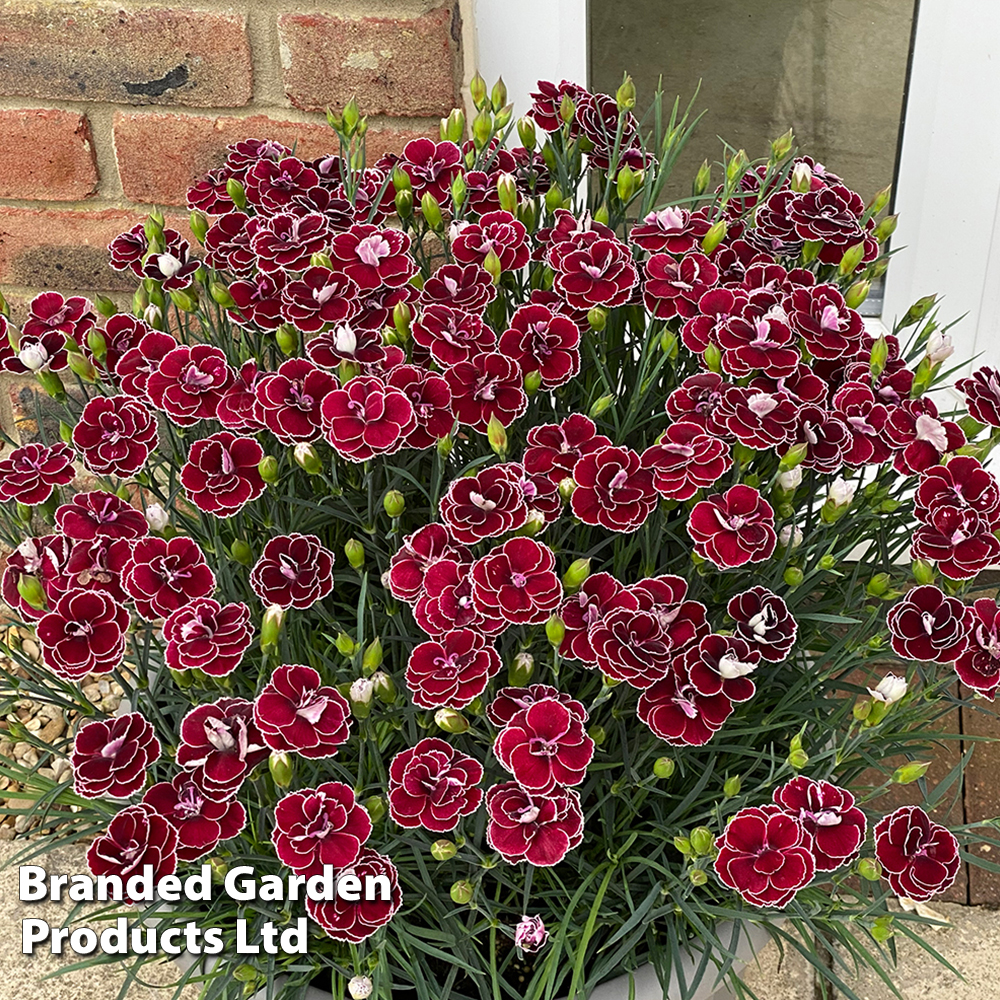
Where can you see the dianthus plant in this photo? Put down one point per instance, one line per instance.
(571, 555)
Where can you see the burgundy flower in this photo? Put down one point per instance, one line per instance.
(431, 167)
(206, 636)
(111, 756)
(545, 746)
(84, 633)
(372, 257)
(829, 815)
(829, 328)
(488, 385)
(227, 243)
(592, 271)
(758, 420)
(220, 476)
(418, 553)
(375, 308)
(517, 582)
(685, 460)
(467, 287)
(356, 922)
(115, 435)
(485, 505)
(347, 343)
(599, 118)
(136, 365)
(451, 671)
(49, 312)
(547, 102)
(497, 232)
(613, 489)
(762, 618)
(366, 417)
(273, 184)
(44, 559)
(258, 300)
(982, 395)
(539, 829)
(96, 564)
(162, 576)
(963, 482)
(137, 836)
(286, 242)
(201, 821)
(29, 474)
(831, 215)
(554, 449)
(296, 713)
(510, 700)
(430, 397)
(958, 539)
(189, 382)
(541, 340)
(755, 338)
(858, 407)
(927, 625)
(289, 400)
(320, 826)
(99, 514)
(236, 408)
(433, 786)
(599, 594)
(721, 663)
(673, 287)
(827, 438)
(919, 857)
(209, 194)
(120, 334)
(174, 269)
(697, 399)
(128, 249)
(293, 571)
(919, 437)
(978, 667)
(733, 528)
(765, 855)
(446, 602)
(319, 297)
(220, 745)
(671, 230)
(45, 352)
(244, 154)
(452, 335)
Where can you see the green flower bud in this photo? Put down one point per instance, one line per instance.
(220, 293)
(553, 198)
(306, 458)
(491, 263)
(526, 133)
(97, 344)
(598, 734)
(404, 203)
(477, 88)
(625, 95)
(532, 382)
(600, 406)
(453, 127)
(241, 552)
(443, 850)
(219, 870)
(798, 759)
(713, 359)
(597, 318)
(810, 250)
(698, 876)
(459, 189)
(715, 235)
(793, 576)
(521, 669)
(702, 840)
(882, 929)
(65, 432)
(199, 226)
(906, 774)
(555, 630)
(878, 585)
(625, 184)
(445, 445)
(81, 366)
(702, 179)
(566, 488)
(385, 687)
(918, 310)
(496, 434)
(857, 293)
(4, 308)
(577, 573)
(732, 787)
(602, 215)
(737, 167)
(879, 201)
(462, 892)
(451, 721)
(245, 974)
(886, 228)
(668, 343)
(507, 193)
(664, 767)
(281, 768)
(394, 503)
(870, 869)
(287, 339)
(430, 208)
(31, 591)
(360, 695)
(566, 109)
(782, 146)
(372, 658)
(355, 553)
(375, 807)
(270, 627)
(345, 644)
(684, 846)
(923, 571)
(482, 128)
(504, 116)
(851, 260)
(268, 469)
(236, 193)
(862, 709)
(793, 457)
(182, 678)
(827, 562)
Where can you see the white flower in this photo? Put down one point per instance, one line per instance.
(790, 535)
(890, 689)
(801, 177)
(156, 517)
(842, 492)
(939, 347)
(345, 341)
(33, 357)
(730, 667)
(362, 690)
(168, 264)
(360, 987)
(791, 479)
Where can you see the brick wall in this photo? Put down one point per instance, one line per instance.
(107, 109)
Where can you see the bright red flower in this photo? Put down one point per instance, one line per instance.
(29, 474)
(485, 505)
(765, 855)
(97, 564)
(220, 476)
(721, 663)
(762, 618)
(293, 571)
(613, 489)
(220, 745)
(111, 756)
(296, 713)
(451, 671)
(433, 786)
(828, 813)
(99, 514)
(541, 340)
(115, 435)
(685, 460)
(189, 382)
(539, 829)
(452, 335)
(376, 307)
(137, 836)
(733, 528)
(162, 576)
(372, 257)
(367, 417)
(927, 625)
(554, 449)
(488, 385)
(919, 858)
(320, 826)
(201, 822)
(832, 216)
(356, 922)
(516, 581)
(978, 667)
(206, 636)
(84, 633)
(497, 232)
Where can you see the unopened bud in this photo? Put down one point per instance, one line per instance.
(491, 263)
(566, 488)
(732, 786)
(401, 179)
(404, 203)
(532, 382)
(526, 133)
(477, 88)
(360, 695)
(793, 457)
(51, 383)
(451, 721)
(65, 432)
(713, 359)
(459, 189)
(346, 646)
(625, 184)
(270, 626)
(625, 96)
(375, 807)
(737, 167)
(702, 179)
(906, 774)
(600, 406)
(857, 293)
(567, 109)
(698, 876)
(237, 193)
(199, 226)
(31, 591)
(220, 293)
(497, 436)
(597, 318)
(462, 892)
(851, 260)
(445, 446)
(878, 585)
(798, 759)
(577, 573)
(879, 201)
(287, 339)
(701, 840)
(443, 850)
(521, 669)
(355, 553)
(683, 845)
(507, 192)
(394, 503)
(715, 235)
(553, 198)
(810, 250)
(664, 767)
(782, 146)
(923, 571)
(482, 128)
(306, 457)
(430, 208)
(602, 215)
(97, 344)
(886, 228)
(268, 469)
(372, 658)
(81, 366)
(241, 552)
(555, 630)
(280, 766)
(385, 687)
(870, 869)
(801, 180)
(918, 310)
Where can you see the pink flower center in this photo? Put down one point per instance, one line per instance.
(189, 802)
(518, 579)
(311, 707)
(111, 749)
(542, 747)
(372, 249)
(684, 700)
(194, 378)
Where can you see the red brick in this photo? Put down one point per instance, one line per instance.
(50, 155)
(99, 51)
(65, 249)
(391, 65)
(160, 155)
(982, 794)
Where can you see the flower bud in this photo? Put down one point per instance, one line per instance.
(698, 876)
(430, 208)
(870, 869)
(268, 469)
(355, 553)
(394, 503)
(459, 189)
(790, 536)
(199, 226)
(862, 709)
(287, 339)
(360, 988)
(443, 850)
(625, 184)
(385, 687)
(798, 759)
(737, 167)
(577, 573)
(81, 366)
(507, 192)
(482, 129)
(857, 293)
(51, 383)
(793, 457)
(713, 359)
(345, 644)
(906, 774)
(918, 310)
(280, 766)
(715, 235)
(878, 585)
(236, 192)
(827, 562)
(732, 786)
(401, 179)
(477, 89)
(521, 669)
(532, 382)
(886, 228)
(360, 695)
(491, 263)
(453, 127)
(879, 201)
(220, 293)
(375, 807)
(97, 344)
(889, 690)
(602, 215)
(790, 480)
(598, 734)
(270, 627)
(372, 658)
(306, 457)
(851, 260)
(445, 445)
(496, 434)
(702, 179)
(801, 180)
(566, 488)
(597, 318)
(526, 133)
(939, 347)
(245, 974)
(782, 146)
(668, 343)
(462, 892)
(810, 250)
(31, 591)
(683, 845)
(625, 96)
(923, 572)
(600, 406)
(701, 840)
(404, 203)
(555, 630)
(553, 198)
(664, 767)
(451, 721)
(567, 109)
(241, 552)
